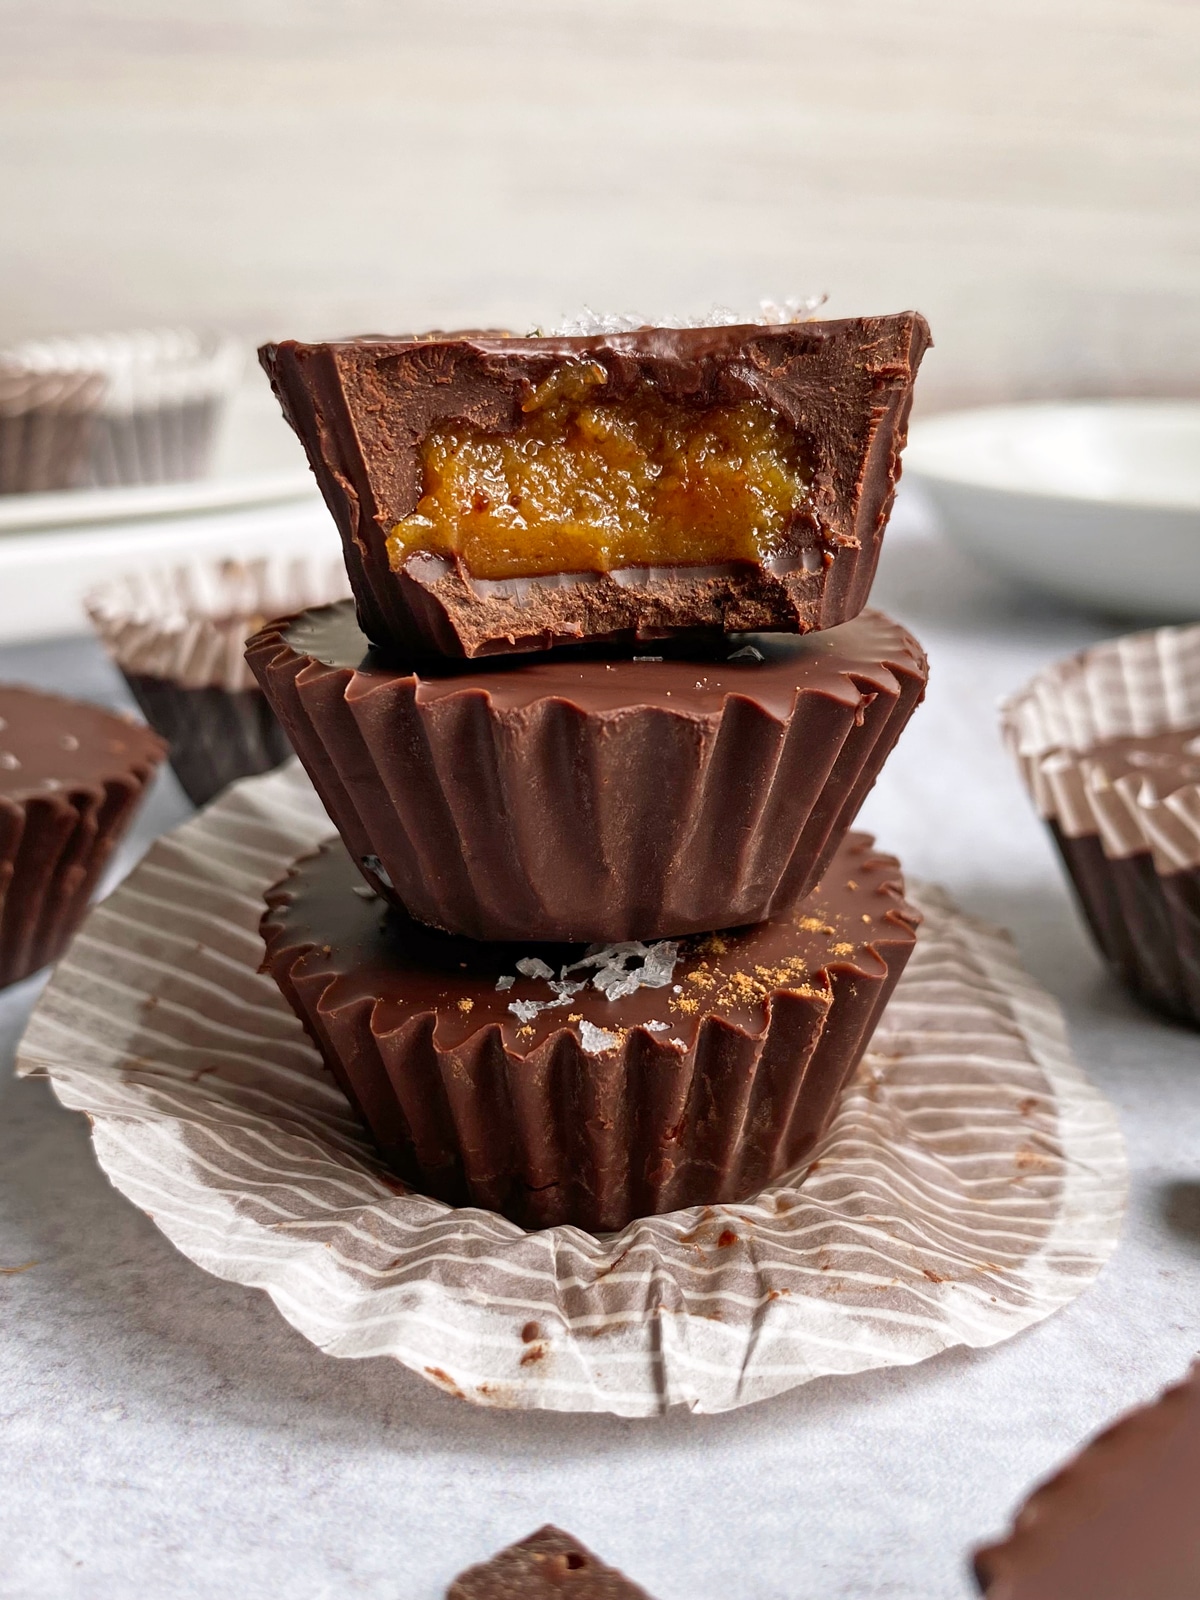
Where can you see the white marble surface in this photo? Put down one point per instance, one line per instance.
(167, 1434)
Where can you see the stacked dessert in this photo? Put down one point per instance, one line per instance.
(596, 941)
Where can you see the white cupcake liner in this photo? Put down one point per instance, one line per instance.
(1137, 686)
(971, 1184)
(189, 624)
(165, 391)
(46, 424)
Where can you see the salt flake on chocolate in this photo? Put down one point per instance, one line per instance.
(615, 977)
(596, 1041)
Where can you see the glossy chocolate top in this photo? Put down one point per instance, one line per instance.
(690, 677)
(548, 1565)
(1120, 1522)
(49, 744)
(533, 990)
(1169, 761)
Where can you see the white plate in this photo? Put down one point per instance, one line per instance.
(258, 461)
(1096, 501)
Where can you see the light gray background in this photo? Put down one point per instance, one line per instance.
(166, 1434)
(1026, 172)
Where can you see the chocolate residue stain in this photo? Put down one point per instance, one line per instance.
(726, 1237)
(534, 1353)
(530, 1332)
(11, 1272)
(1027, 1159)
(1026, 1106)
(603, 1272)
(194, 1077)
(934, 1277)
(445, 1381)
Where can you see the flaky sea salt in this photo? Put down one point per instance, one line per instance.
(596, 1041)
(771, 313)
(533, 967)
(505, 983)
(747, 653)
(615, 977)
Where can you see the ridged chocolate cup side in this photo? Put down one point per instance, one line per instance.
(551, 1134)
(47, 421)
(503, 812)
(363, 407)
(55, 845)
(1130, 844)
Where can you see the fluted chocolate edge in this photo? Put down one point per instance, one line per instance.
(557, 1136)
(53, 850)
(558, 827)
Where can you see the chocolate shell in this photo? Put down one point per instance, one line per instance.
(560, 1085)
(598, 797)
(71, 778)
(548, 1565)
(363, 408)
(1120, 1522)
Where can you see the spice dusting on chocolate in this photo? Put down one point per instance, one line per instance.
(600, 1109)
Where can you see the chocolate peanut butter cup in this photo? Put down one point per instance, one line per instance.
(1109, 746)
(71, 778)
(499, 494)
(179, 635)
(591, 1085)
(1119, 1522)
(593, 796)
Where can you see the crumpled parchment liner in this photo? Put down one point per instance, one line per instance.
(971, 1184)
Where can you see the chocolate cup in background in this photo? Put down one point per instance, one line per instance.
(1131, 847)
(362, 409)
(481, 1083)
(544, 1566)
(178, 636)
(593, 797)
(47, 421)
(1145, 922)
(165, 392)
(71, 778)
(1119, 1520)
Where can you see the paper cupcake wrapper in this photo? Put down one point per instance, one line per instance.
(971, 1184)
(165, 391)
(1137, 686)
(188, 625)
(46, 425)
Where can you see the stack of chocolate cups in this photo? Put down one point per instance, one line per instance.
(596, 941)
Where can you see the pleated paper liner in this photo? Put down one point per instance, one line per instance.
(1131, 846)
(178, 636)
(971, 1183)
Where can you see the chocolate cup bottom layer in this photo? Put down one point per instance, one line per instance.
(1146, 923)
(479, 1087)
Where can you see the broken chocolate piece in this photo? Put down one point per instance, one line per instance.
(549, 1565)
(593, 796)
(71, 777)
(1119, 1522)
(499, 494)
(563, 1084)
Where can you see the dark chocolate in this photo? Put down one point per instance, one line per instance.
(502, 1075)
(549, 1565)
(71, 778)
(1146, 922)
(593, 796)
(216, 735)
(1119, 1522)
(362, 409)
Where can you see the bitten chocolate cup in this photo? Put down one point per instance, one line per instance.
(71, 778)
(1108, 743)
(591, 1085)
(498, 494)
(603, 797)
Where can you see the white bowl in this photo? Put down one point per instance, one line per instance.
(1096, 501)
